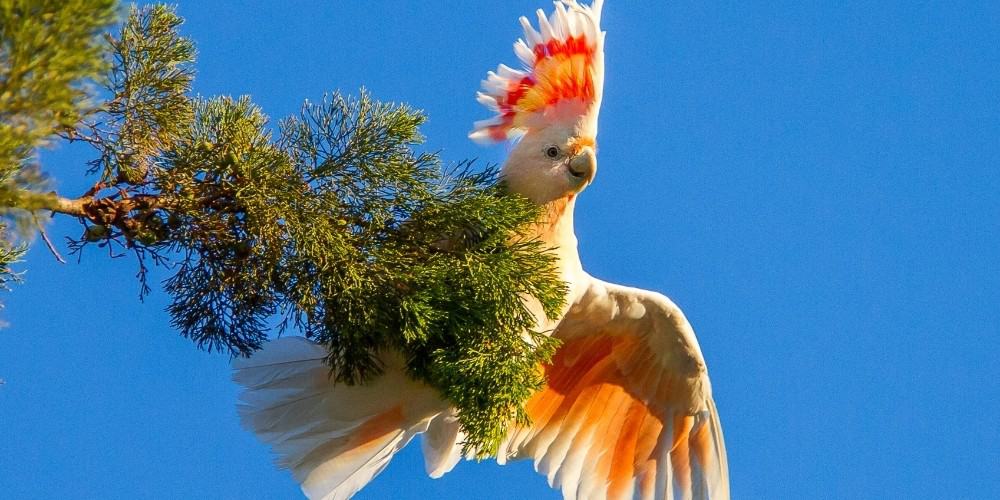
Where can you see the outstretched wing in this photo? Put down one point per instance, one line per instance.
(628, 411)
(561, 81)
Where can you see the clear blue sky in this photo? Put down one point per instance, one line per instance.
(815, 183)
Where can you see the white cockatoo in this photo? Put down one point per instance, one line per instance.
(627, 411)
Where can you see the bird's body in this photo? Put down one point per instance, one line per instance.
(627, 409)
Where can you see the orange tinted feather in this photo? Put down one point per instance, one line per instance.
(701, 444)
(375, 428)
(647, 480)
(681, 461)
(563, 379)
(549, 408)
(682, 426)
(623, 461)
(630, 441)
(649, 433)
(609, 434)
(368, 435)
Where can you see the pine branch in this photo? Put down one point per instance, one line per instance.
(338, 224)
(105, 210)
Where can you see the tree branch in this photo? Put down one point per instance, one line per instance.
(97, 210)
(12, 196)
(48, 242)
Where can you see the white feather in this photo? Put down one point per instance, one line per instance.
(481, 136)
(487, 123)
(573, 23)
(524, 53)
(487, 100)
(494, 85)
(544, 26)
(533, 37)
(589, 29)
(509, 73)
(559, 22)
(442, 444)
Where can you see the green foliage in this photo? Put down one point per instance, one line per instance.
(49, 49)
(149, 81)
(9, 255)
(468, 329)
(362, 244)
(219, 182)
(429, 266)
(335, 225)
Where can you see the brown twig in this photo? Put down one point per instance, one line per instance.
(48, 242)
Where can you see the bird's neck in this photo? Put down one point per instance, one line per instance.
(556, 232)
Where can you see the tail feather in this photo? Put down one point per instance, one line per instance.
(442, 444)
(334, 437)
(342, 467)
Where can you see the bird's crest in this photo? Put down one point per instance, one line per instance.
(562, 79)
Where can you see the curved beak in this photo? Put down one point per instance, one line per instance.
(583, 166)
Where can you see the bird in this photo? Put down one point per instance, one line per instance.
(627, 408)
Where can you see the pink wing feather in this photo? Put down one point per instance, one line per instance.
(627, 411)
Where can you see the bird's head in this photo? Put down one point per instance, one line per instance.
(550, 107)
(551, 163)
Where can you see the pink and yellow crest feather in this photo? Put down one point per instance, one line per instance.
(562, 79)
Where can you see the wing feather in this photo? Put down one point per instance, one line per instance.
(627, 410)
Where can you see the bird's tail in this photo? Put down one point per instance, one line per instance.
(335, 437)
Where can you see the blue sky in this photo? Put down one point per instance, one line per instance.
(815, 184)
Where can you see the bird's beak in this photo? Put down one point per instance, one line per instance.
(583, 166)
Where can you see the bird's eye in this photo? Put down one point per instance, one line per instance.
(552, 152)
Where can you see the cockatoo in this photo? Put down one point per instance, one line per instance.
(627, 410)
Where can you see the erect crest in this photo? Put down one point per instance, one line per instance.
(562, 79)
